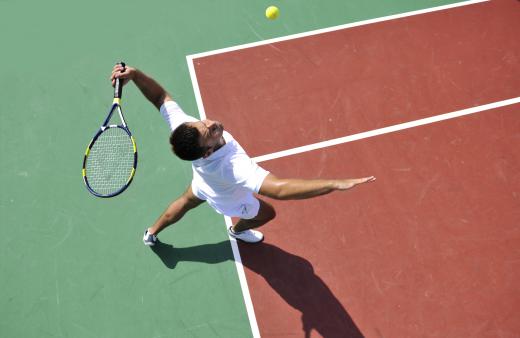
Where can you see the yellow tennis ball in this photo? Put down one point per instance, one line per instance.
(272, 12)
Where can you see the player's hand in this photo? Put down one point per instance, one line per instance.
(350, 183)
(125, 74)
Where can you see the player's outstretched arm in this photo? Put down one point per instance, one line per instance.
(150, 88)
(289, 189)
(176, 210)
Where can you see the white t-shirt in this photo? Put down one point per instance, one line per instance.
(174, 115)
(228, 177)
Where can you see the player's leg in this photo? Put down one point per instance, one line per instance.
(242, 230)
(175, 211)
(266, 213)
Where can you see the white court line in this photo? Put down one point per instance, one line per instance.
(202, 114)
(335, 28)
(243, 282)
(190, 58)
(196, 89)
(236, 253)
(386, 130)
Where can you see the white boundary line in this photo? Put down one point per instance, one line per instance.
(190, 58)
(243, 282)
(196, 89)
(386, 130)
(335, 28)
(202, 114)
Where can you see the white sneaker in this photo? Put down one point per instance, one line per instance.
(149, 239)
(248, 236)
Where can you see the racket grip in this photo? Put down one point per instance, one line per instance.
(118, 87)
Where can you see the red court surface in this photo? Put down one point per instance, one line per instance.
(431, 248)
(330, 85)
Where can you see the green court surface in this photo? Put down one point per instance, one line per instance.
(72, 265)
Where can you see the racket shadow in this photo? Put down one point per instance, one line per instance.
(291, 276)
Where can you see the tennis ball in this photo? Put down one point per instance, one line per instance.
(272, 12)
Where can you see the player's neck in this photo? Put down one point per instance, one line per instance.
(220, 144)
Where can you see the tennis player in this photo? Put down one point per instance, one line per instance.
(224, 175)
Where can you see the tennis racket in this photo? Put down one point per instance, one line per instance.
(111, 157)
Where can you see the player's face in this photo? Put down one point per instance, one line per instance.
(211, 134)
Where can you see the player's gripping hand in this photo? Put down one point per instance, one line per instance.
(123, 73)
(350, 183)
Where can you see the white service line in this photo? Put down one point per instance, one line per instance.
(202, 114)
(386, 130)
(243, 282)
(190, 58)
(334, 28)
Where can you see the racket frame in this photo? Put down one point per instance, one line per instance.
(116, 105)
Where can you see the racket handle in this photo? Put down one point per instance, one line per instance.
(118, 87)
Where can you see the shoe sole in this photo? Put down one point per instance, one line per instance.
(243, 241)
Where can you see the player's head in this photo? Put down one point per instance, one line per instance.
(193, 140)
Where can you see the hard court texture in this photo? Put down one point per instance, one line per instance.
(427, 250)
(430, 248)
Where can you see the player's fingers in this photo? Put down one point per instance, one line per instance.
(365, 179)
(116, 68)
(120, 75)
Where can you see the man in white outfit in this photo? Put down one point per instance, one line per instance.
(223, 174)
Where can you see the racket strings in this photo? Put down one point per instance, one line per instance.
(110, 162)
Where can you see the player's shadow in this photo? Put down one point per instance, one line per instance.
(291, 276)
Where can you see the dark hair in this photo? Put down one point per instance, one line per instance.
(185, 143)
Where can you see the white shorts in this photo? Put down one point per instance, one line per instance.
(246, 207)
